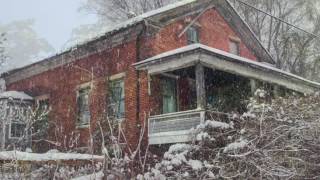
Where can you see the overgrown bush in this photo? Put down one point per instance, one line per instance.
(271, 141)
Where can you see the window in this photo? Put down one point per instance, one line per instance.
(169, 97)
(83, 107)
(17, 129)
(41, 126)
(17, 125)
(42, 103)
(234, 47)
(117, 99)
(192, 35)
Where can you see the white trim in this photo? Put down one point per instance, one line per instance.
(170, 137)
(117, 76)
(84, 86)
(83, 126)
(168, 75)
(42, 97)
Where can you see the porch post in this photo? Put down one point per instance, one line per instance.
(200, 85)
(253, 86)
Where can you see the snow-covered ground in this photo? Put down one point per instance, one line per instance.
(96, 176)
(49, 156)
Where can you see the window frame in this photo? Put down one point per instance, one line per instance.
(119, 116)
(116, 77)
(79, 124)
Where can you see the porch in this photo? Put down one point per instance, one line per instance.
(187, 97)
(196, 79)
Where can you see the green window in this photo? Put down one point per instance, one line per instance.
(192, 35)
(169, 99)
(117, 99)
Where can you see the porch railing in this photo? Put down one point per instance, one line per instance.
(173, 127)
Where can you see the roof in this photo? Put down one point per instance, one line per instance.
(217, 62)
(159, 15)
(15, 95)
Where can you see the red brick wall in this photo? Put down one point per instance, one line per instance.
(61, 83)
(213, 32)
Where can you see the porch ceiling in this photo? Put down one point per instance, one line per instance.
(217, 59)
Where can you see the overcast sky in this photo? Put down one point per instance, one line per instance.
(54, 19)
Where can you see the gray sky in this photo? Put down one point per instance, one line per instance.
(54, 19)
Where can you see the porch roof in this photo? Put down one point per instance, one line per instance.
(16, 95)
(217, 59)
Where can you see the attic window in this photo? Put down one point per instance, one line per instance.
(192, 35)
(234, 47)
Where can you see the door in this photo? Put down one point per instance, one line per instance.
(169, 95)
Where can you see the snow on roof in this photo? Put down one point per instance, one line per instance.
(131, 22)
(106, 30)
(223, 53)
(15, 95)
(49, 156)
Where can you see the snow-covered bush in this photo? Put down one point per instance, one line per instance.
(277, 140)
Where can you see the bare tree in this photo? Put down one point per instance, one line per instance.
(3, 56)
(23, 47)
(293, 49)
(116, 10)
(270, 141)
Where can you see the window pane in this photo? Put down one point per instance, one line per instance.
(169, 96)
(83, 107)
(117, 99)
(192, 35)
(17, 129)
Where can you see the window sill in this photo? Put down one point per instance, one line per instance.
(83, 126)
(120, 119)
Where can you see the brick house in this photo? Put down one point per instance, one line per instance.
(168, 66)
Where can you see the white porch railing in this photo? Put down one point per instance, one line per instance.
(173, 127)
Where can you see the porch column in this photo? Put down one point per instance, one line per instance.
(200, 85)
(253, 86)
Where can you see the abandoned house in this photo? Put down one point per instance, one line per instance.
(168, 67)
